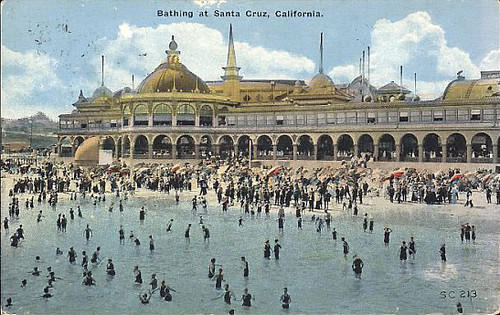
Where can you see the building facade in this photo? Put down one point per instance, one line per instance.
(173, 114)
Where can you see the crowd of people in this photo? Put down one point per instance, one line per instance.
(233, 186)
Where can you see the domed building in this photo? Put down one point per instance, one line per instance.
(176, 115)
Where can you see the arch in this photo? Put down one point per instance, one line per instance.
(108, 143)
(205, 146)
(162, 115)
(305, 147)
(386, 148)
(345, 146)
(185, 115)
(482, 148)
(185, 147)
(162, 147)
(126, 146)
(140, 146)
(141, 115)
(409, 148)
(66, 147)
(78, 141)
(456, 149)
(284, 147)
(264, 147)
(365, 144)
(243, 145)
(127, 113)
(226, 147)
(325, 147)
(433, 150)
(206, 116)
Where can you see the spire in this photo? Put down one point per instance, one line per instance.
(102, 70)
(172, 52)
(231, 71)
(321, 53)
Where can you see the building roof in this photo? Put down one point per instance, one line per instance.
(472, 89)
(88, 152)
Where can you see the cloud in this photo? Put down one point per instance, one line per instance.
(139, 50)
(209, 3)
(491, 61)
(26, 79)
(420, 46)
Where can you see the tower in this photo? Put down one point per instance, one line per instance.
(231, 75)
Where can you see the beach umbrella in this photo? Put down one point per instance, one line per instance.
(274, 171)
(456, 177)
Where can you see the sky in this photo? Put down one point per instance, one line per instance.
(50, 49)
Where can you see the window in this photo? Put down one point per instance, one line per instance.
(415, 116)
(280, 120)
(351, 118)
(403, 117)
(393, 117)
(451, 115)
(426, 116)
(488, 114)
(341, 118)
(222, 120)
(290, 119)
(463, 115)
(270, 120)
(261, 120)
(321, 119)
(438, 115)
(241, 121)
(330, 118)
(231, 121)
(370, 119)
(83, 125)
(113, 123)
(475, 114)
(361, 118)
(300, 119)
(312, 119)
(382, 117)
(251, 120)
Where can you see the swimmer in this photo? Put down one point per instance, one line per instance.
(211, 268)
(186, 233)
(206, 233)
(267, 250)
(72, 255)
(442, 251)
(411, 247)
(110, 267)
(165, 291)
(5, 223)
(402, 252)
(23, 283)
(142, 214)
(219, 277)
(345, 247)
(145, 297)
(299, 223)
(240, 221)
(46, 293)
(285, 299)
(387, 233)
(371, 225)
(58, 251)
(137, 241)
(153, 282)
(151, 243)
(35, 271)
(246, 298)
(87, 232)
(137, 274)
(84, 259)
(365, 222)
(334, 234)
(245, 268)
(121, 232)
(277, 248)
(357, 266)
(169, 227)
(228, 294)
(95, 256)
(9, 303)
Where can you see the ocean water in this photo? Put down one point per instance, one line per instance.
(312, 266)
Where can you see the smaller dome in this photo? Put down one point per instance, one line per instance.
(321, 84)
(102, 91)
(87, 154)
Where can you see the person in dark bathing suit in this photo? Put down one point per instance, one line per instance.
(402, 252)
(357, 266)
(285, 299)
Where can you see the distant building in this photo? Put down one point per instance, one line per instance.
(174, 114)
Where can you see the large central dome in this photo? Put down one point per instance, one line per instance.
(172, 76)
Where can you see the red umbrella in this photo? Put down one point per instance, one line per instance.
(456, 177)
